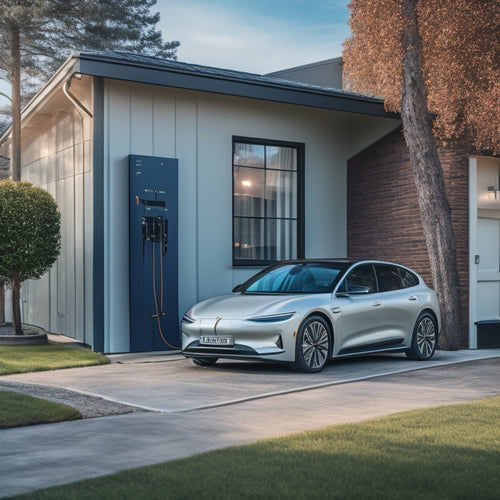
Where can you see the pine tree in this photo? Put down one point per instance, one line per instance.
(36, 36)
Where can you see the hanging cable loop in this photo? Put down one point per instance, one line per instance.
(159, 312)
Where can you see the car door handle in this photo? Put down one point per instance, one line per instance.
(413, 298)
(376, 304)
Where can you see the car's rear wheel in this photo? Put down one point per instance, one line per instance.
(424, 339)
(205, 361)
(312, 347)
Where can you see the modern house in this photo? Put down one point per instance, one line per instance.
(176, 182)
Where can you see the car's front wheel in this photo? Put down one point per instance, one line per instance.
(424, 339)
(205, 361)
(312, 347)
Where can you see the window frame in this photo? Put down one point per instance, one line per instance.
(300, 148)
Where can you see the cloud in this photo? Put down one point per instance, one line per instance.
(224, 37)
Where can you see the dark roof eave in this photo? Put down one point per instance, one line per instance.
(229, 83)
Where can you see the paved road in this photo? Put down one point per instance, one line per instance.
(196, 409)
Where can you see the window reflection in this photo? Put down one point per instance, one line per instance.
(265, 202)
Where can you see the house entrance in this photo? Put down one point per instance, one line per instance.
(484, 270)
(488, 271)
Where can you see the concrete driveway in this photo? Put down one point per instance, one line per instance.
(195, 409)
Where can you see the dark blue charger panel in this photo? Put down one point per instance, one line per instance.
(154, 318)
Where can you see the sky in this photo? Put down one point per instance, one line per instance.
(258, 36)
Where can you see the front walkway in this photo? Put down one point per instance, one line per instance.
(196, 409)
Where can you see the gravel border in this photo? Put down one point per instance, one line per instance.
(88, 406)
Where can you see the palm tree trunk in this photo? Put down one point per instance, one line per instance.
(428, 173)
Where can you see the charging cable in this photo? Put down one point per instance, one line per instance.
(158, 315)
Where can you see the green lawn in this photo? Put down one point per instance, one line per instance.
(18, 409)
(451, 452)
(35, 358)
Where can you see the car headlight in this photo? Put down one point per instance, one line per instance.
(187, 319)
(272, 317)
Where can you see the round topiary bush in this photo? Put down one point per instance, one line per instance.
(30, 242)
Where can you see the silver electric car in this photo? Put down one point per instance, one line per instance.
(305, 312)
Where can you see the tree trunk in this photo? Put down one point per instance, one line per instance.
(428, 173)
(16, 305)
(15, 160)
(2, 302)
(15, 80)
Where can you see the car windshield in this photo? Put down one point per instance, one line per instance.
(302, 277)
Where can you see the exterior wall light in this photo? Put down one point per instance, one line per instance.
(493, 193)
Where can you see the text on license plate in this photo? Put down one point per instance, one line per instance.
(216, 340)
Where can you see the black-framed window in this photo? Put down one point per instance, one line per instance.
(268, 206)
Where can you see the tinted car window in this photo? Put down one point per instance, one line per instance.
(408, 279)
(360, 279)
(295, 278)
(394, 278)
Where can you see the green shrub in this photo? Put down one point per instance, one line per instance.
(30, 225)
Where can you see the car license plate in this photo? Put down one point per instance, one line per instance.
(216, 340)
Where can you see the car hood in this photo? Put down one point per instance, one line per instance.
(240, 305)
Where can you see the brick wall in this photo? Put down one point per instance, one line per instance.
(383, 217)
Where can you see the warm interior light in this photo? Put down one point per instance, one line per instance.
(246, 183)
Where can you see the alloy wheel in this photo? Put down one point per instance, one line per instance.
(426, 337)
(315, 344)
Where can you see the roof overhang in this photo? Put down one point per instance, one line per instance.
(168, 73)
(150, 70)
(48, 91)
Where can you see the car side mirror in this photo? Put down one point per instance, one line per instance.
(355, 290)
(360, 290)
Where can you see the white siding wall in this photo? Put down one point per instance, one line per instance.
(197, 129)
(58, 158)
